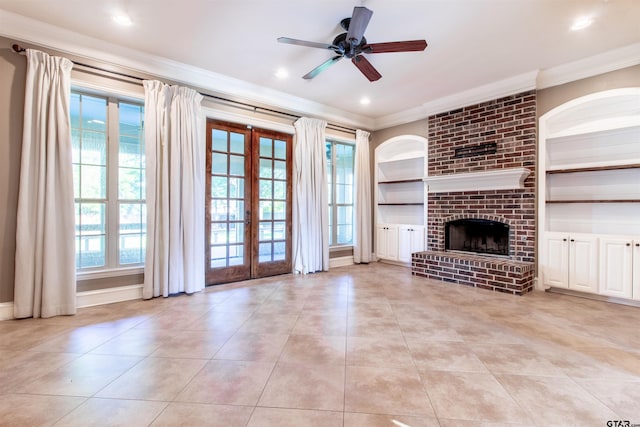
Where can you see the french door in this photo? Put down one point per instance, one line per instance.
(248, 209)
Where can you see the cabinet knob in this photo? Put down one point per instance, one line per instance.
(637, 244)
(628, 244)
(564, 240)
(572, 240)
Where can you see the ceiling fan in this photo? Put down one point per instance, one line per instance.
(353, 45)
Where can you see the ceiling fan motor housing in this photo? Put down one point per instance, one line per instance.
(346, 48)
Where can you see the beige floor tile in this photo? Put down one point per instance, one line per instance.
(274, 417)
(78, 340)
(25, 367)
(516, 359)
(444, 356)
(466, 423)
(265, 323)
(319, 324)
(360, 326)
(305, 387)
(220, 321)
(84, 376)
(112, 413)
(228, 382)
(622, 397)
(386, 391)
(554, 401)
(27, 334)
(372, 420)
(471, 396)
(135, 342)
(191, 344)
(29, 410)
(174, 318)
(154, 379)
(316, 349)
(378, 351)
(252, 347)
(196, 414)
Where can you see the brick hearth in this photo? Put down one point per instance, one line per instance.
(510, 123)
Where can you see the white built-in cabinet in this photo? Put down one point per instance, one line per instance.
(589, 195)
(400, 198)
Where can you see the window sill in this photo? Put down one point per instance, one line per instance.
(113, 272)
(340, 248)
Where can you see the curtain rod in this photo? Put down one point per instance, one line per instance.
(238, 104)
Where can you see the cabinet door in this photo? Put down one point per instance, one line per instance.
(417, 239)
(381, 241)
(616, 267)
(636, 270)
(404, 243)
(555, 268)
(583, 263)
(392, 242)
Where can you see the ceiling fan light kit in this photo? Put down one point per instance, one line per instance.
(353, 45)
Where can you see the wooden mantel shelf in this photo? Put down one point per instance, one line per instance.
(497, 179)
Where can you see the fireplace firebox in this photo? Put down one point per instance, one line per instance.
(478, 236)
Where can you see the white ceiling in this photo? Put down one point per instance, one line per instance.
(471, 43)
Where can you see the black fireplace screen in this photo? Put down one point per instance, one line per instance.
(477, 235)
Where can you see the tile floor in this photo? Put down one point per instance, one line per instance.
(358, 346)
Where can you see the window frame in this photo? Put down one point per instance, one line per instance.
(112, 267)
(333, 220)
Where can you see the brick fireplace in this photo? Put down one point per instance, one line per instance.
(483, 140)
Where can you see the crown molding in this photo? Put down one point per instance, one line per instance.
(49, 36)
(488, 92)
(612, 60)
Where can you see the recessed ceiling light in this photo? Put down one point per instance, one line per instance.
(365, 101)
(581, 23)
(282, 73)
(122, 19)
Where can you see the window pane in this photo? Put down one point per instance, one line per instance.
(219, 138)
(236, 210)
(236, 165)
(236, 187)
(266, 210)
(93, 182)
(279, 190)
(237, 143)
(218, 256)
(266, 168)
(94, 148)
(94, 113)
(345, 235)
(279, 228)
(266, 147)
(264, 252)
(91, 252)
(266, 191)
(219, 163)
(236, 255)
(280, 149)
(131, 184)
(131, 152)
(264, 231)
(279, 170)
(219, 186)
(219, 210)
(131, 117)
(219, 233)
(279, 251)
(236, 232)
(279, 210)
(132, 248)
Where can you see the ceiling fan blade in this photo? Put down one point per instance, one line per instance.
(366, 68)
(358, 24)
(320, 68)
(405, 46)
(306, 43)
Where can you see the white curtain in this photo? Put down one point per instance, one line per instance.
(310, 204)
(175, 167)
(45, 275)
(362, 203)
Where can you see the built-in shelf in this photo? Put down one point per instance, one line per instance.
(401, 181)
(594, 168)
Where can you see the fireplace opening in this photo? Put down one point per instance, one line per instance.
(478, 236)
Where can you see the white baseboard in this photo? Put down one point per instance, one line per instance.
(6, 310)
(108, 295)
(340, 261)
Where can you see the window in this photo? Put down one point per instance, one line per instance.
(340, 157)
(109, 182)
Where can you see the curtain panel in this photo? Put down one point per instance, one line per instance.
(362, 202)
(175, 168)
(310, 198)
(45, 272)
